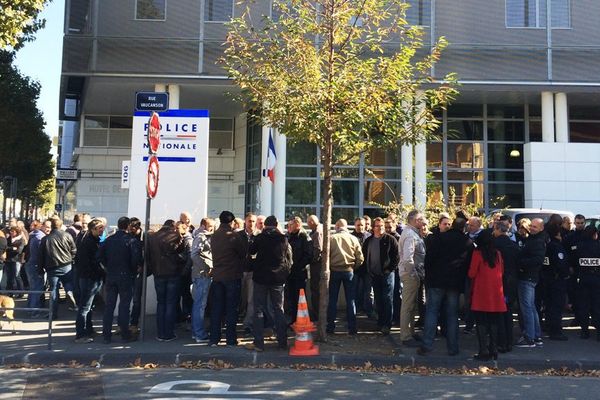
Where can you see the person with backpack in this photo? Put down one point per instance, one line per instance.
(270, 259)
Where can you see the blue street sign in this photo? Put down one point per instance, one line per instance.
(58, 207)
(151, 101)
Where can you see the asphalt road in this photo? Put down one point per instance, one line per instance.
(238, 384)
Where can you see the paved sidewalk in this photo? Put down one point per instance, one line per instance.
(29, 346)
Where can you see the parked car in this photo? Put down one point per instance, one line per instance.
(593, 220)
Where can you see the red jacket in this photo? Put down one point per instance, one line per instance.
(487, 293)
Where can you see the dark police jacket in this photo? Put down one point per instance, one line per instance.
(588, 258)
(87, 262)
(531, 258)
(272, 260)
(446, 259)
(556, 263)
(119, 258)
(57, 249)
(301, 254)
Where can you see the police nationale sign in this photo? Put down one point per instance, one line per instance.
(151, 101)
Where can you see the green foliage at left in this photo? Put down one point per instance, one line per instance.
(18, 20)
(25, 147)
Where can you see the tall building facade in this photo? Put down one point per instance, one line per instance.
(525, 130)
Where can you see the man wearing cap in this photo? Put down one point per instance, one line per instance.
(228, 251)
(270, 257)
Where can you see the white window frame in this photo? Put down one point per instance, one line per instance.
(149, 19)
(537, 17)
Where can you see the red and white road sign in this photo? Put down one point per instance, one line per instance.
(152, 177)
(153, 133)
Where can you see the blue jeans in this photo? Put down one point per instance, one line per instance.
(335, 282)
(122, 288)
(167, 296)
(62, 274)
(435, 298)
(531, 320)
(383, 286)
(224, 300)
(137, 300)
(36, 282)
(13, 275)
(200, 295)
(89, 288)
(363, 290)
(262, 294)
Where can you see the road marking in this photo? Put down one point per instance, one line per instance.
(214, 388)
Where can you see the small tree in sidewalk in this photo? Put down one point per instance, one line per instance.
(346, 75)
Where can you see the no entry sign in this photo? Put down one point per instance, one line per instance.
(152, 177)
(153, 133)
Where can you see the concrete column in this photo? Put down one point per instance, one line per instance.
(406, 159)
(160, 87)
(562, 117)
(279, 185)
(266, 187)
(421, 175)
(173, 97)
(547, 117)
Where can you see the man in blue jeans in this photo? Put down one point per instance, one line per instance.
(229, 253)
(35, 279)
(530, 263)
(166, 261)
(445, 271)
(57, 250)
(345, 256)
(381, 259)
(201, 277)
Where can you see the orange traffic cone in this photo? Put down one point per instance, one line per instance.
(303, 346)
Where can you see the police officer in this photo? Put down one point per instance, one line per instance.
(588, 256)
(570, 242)
(555, 273)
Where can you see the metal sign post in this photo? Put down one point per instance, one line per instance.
(151, 190)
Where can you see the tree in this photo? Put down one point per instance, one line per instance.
(25, 150)
(347, 75)
(18, 20)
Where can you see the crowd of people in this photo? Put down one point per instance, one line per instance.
(211, 275)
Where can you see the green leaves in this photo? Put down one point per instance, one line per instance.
(18, 19)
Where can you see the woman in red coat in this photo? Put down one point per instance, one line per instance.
(487, 301)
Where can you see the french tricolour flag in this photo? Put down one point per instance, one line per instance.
(271, 159)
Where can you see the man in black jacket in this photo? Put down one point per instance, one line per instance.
(555, 273)
(166, 261)
(445, 271)
(120, 262)
(270, 257)
(90, 280)
(57, 251)
(510, 253)
(301, 252)
(530, 263)
(381, 260)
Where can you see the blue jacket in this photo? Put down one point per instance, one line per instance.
(35, 239)
(118, 257)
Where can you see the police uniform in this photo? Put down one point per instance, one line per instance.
(588, 257)
(555, 272)
(570, 242)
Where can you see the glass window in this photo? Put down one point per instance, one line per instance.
(535, 131)
(302, 153)
(380, 192)
(218, 10)
(121, 122)
(220, 133)
(515, 176)
(94, 121)
(345, 193)
(95, 137)
(383, 157)
(465, 155)
(300, 191)
(505, 111)
(584, 132)
(503, 195)
(513, 131)
(532, 13)
(465, 111)
(221, 124)
(505, 156)
(465, 130)
(301, 172)
(434, 155)
(119, 138)
(347, 213)
(151, 9)
(461, 194)
(383, 173)
(302, 212)
(419, 12)
(589, 113)
(465, 175)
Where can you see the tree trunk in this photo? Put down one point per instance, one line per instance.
(327, 160)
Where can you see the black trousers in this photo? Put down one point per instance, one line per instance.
(487, 331)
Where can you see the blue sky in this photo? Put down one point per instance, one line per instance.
(41, 60)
